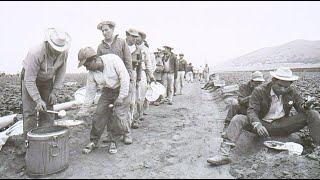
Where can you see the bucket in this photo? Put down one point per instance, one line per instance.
(47, 150)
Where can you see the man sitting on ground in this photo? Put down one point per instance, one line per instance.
(268, 114)
(244, 94)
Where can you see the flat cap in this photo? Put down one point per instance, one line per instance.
(102, 23)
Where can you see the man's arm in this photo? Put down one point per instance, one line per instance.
(244, 94)
(298, 101)
(175, 67)
(60, 74)
(31, 71)
(148, 64)
(91, 90)
(254, 106)
(185, 66)
(124, 79)
(127, 58)
(99, 53)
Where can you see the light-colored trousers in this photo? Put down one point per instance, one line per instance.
(133, 89)
(179, 81)
(141, 90)
(168, 81)
(189, 76)
(206, 76)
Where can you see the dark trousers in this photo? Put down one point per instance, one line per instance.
(117, 118)
(30, 120)
(281, 127)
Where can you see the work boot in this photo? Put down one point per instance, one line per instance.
(127, 139)
(223, 156)
(135, 125)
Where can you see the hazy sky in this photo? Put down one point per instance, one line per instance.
(203, 31)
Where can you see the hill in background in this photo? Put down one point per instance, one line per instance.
(295, 54)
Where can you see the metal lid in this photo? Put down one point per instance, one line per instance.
(44, 133)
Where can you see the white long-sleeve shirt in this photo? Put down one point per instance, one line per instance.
(114, 75)
(147, 65)
(276, 110)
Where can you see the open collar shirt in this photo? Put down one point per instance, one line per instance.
(276, 109)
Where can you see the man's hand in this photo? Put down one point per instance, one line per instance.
(309, 102)
(153, 80)
(41, 106)
(52, 99)
(82, 112)
(262, 131)
(118, 101)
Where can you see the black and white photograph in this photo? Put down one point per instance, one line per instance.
(160, 90)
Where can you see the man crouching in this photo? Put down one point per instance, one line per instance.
(113, 106)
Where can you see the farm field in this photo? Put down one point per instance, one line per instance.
(172, 142)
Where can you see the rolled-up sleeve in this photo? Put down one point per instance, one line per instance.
(32, 66)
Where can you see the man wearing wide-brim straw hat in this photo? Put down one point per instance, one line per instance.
(42, 76)
(170, 72)
(269, 114)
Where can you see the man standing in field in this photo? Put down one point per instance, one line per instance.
(113, 106)
(131, 37)
(182, 69)
(205, 73)
(170, 72)
(42, 76)
(112, 44)
(146, 73)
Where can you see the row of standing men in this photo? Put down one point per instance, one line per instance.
(120, 68)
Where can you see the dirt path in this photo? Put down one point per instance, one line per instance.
(172, 142)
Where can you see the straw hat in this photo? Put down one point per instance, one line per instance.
(132, 32)
(58, 40)
(168, 45)
(142, 35)
(284, 73)
(102, 23)
(257, 76)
